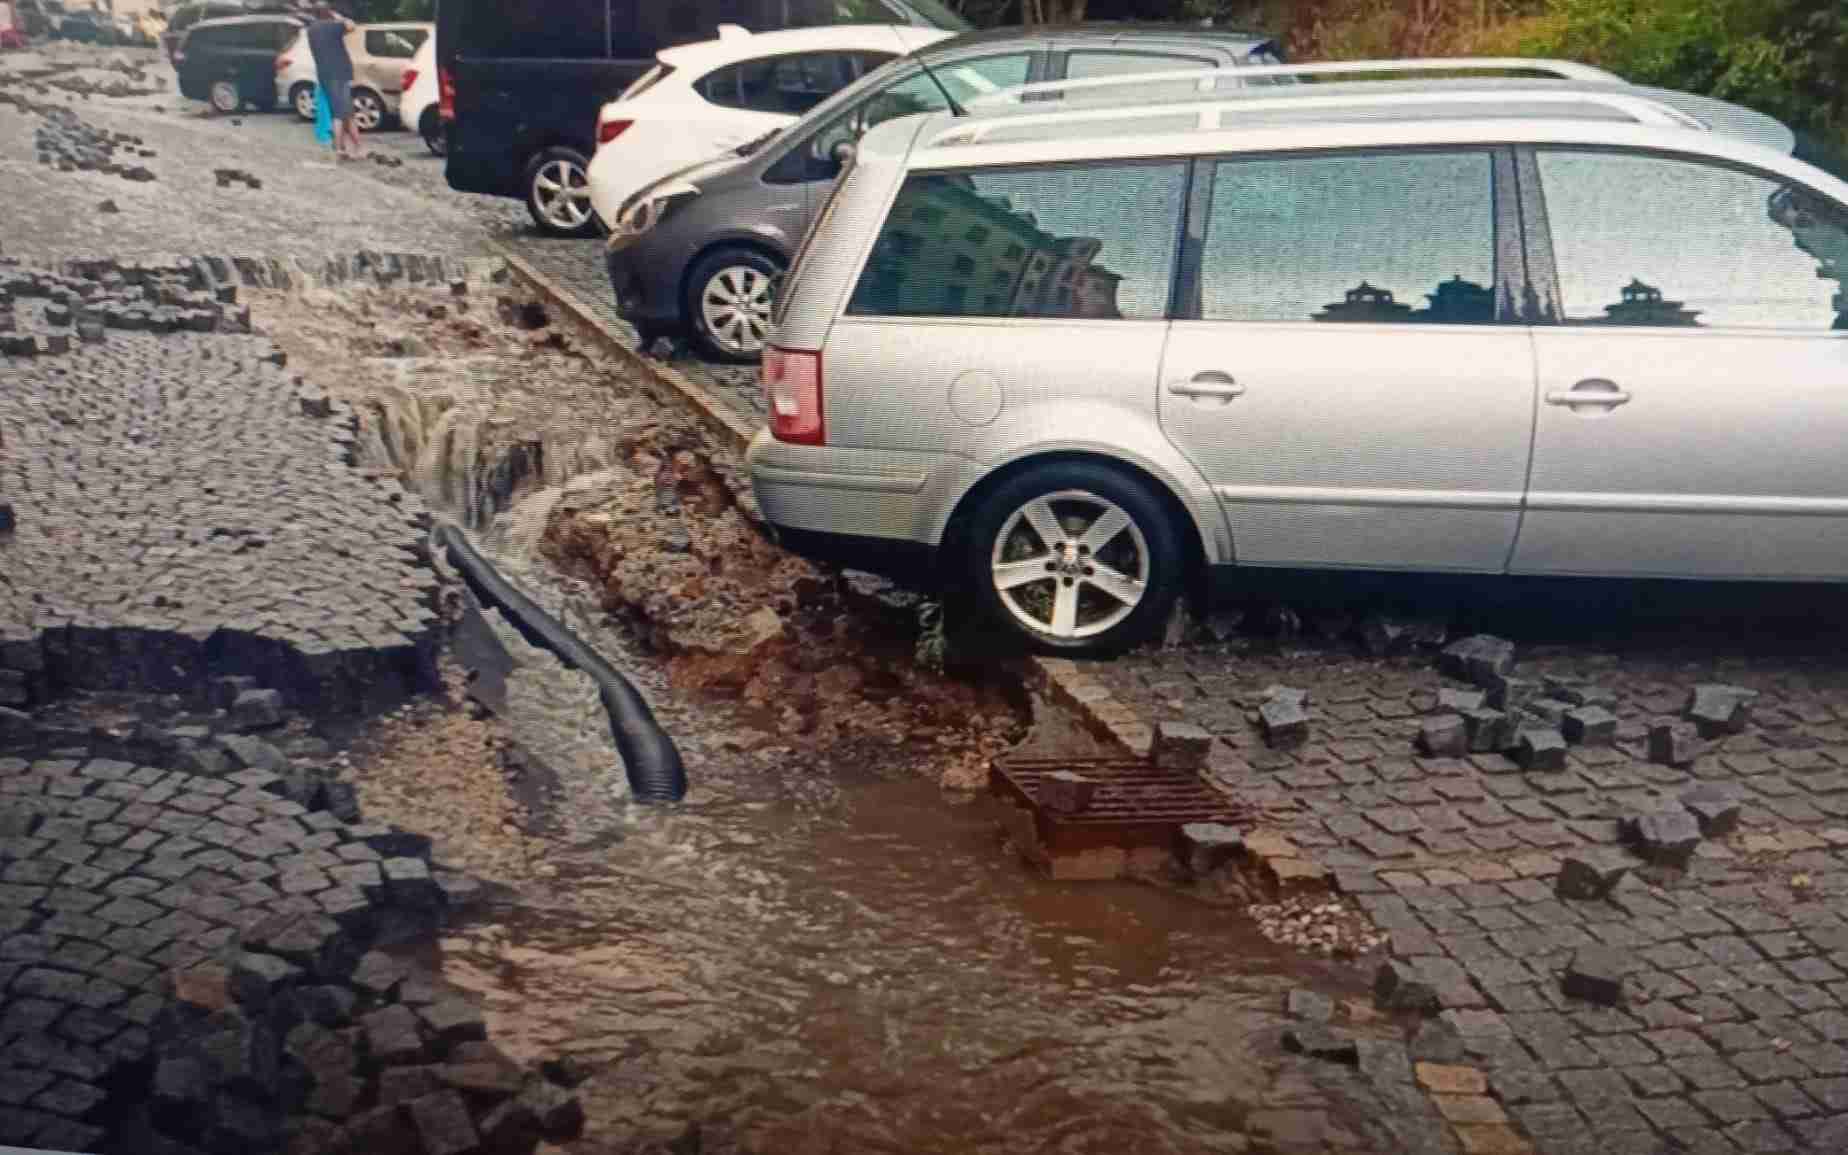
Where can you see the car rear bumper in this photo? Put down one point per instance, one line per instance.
(644, 297)
(857, 507)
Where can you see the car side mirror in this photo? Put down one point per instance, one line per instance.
(843, 152)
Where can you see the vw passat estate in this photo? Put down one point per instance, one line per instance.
(1070, 354)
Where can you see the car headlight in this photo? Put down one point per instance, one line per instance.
(656, 205)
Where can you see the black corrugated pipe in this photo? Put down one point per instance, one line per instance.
(649, 756)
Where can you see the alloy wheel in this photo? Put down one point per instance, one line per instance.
(1070, 564)
(561, 191)
(225, 97)
(735, 307)
(304, 102)
(368, 112)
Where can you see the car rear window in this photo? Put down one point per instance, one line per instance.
(1072, 241)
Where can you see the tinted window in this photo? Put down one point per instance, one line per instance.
(1082, 65)
(1068, 241)
(534, 29)
(790, 84)
(1656, 241)
(1351, 238)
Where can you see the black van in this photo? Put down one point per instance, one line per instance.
(527, 77)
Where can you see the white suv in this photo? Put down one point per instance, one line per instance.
(1068, 353)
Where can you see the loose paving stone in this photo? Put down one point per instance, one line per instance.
(1540, 750)
(1589, 726)
(1285, 723)
(1444, 737)
(1667, 836)
(1397, 986)
(1590, 875)
(1595, 975)
(1716, 808)
(1717, 710)
(1674, 744)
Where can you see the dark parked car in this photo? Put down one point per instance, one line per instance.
(40, 17)
(182, 19)
(232, 62)
(529, 76)
(88, 26)
(681, 246)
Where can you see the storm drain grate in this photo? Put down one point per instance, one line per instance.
(1136, 804)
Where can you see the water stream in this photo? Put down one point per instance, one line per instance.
(822, 952)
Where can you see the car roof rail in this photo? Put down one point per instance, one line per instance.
(1223, 111)
(1209, 78)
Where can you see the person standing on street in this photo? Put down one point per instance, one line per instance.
(333, 70)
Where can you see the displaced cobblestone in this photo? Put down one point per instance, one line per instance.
(1718, 1018)
(158, 538)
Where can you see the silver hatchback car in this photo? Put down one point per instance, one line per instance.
(1071, 358)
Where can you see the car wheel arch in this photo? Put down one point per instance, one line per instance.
(953, 539)
(737, 241)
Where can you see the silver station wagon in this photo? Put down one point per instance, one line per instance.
(1071, 355)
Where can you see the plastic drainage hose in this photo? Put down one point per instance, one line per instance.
(649, 756)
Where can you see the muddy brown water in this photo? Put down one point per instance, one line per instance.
(858, 964)
(820, 951)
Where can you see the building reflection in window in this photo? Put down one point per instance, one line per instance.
(952, 248)
(1456, 302)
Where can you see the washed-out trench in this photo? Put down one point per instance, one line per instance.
(829, 947)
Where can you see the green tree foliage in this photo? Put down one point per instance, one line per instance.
(1782, 57)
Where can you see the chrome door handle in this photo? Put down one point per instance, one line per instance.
(1590, 392)
(1209, 384)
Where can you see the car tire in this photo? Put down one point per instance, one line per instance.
(430, 127)
(368, 110)
(1070, 611)
(730, 293)
(301, 98)
(557, 184)
(225, 97)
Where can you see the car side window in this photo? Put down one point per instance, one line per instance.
(1085, 64)
(392, 45)
(1663, 241)
(1350, 238)
(790, 84)
(1068, 241)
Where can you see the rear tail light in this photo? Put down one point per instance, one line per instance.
(409, 78)
(608, 130)
(282, 64)
(446, 94)
(792, 382)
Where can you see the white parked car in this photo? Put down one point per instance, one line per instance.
(295, 77)
(702, 99)
(420, 108)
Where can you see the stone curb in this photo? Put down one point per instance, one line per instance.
(718, 414)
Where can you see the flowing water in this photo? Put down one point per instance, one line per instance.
(820, 951)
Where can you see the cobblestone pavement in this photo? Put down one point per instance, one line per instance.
(180, 499)
(114, 874)
(577, 267)
(306, 204)
(1731, 1030)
